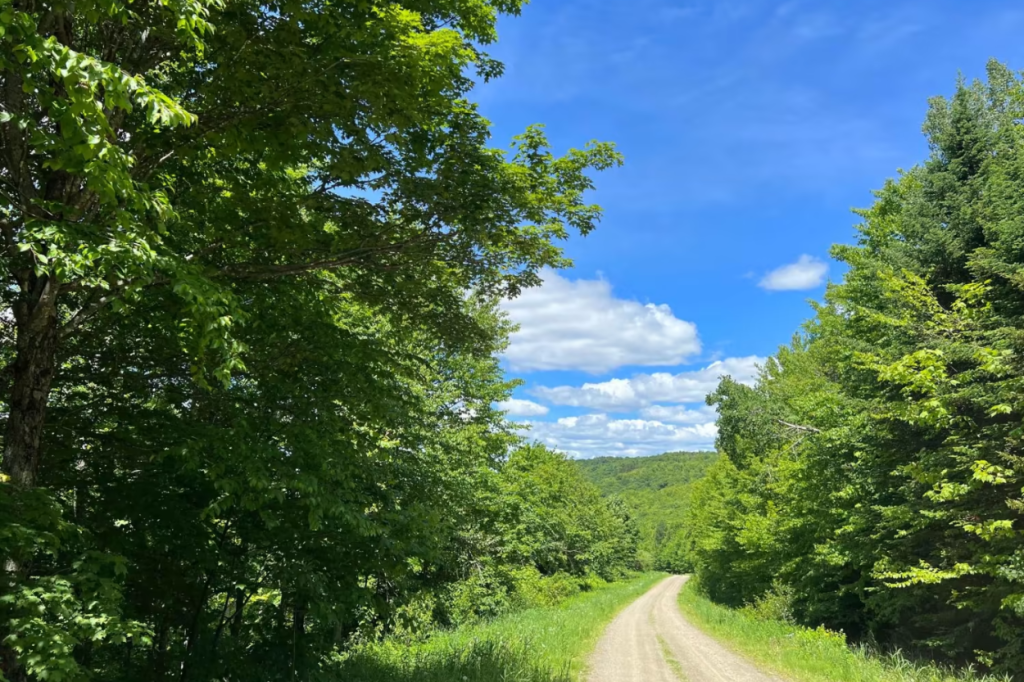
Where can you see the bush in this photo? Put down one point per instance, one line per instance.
(774, 605)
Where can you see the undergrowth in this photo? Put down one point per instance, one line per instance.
(764, 633)
(536, 645)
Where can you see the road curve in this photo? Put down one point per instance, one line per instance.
(650, 641)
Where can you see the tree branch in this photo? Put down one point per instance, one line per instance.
(798, 427)
(255, 271)
(88, 310)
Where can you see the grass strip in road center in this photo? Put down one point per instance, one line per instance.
(803, 654)
(666, 653)
(536, 645)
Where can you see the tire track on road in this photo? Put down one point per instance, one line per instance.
(651, 641)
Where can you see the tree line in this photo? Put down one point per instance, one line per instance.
(252, 254)
(656, 491)
(871, 479)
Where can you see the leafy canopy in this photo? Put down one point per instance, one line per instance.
(252, 255)
(875, 470)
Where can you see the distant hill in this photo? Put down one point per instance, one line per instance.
(657, 490)
(614, 475)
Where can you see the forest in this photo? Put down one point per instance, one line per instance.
(656, 491)
(253, 259)
(871, 480)
(252, 255)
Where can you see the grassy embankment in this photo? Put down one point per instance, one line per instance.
(536, 645)
(805, 655)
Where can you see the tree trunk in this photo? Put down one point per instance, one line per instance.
(35, 315)
(9, 666)
(298, 637)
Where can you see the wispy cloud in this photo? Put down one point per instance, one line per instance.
(680, 414)
(735, 97)
(517, 407)
(596, 435)
(884, 31)
(642, 390)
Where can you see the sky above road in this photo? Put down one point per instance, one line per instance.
(750, 129)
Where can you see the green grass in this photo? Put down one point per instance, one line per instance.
(666, 653)
(537, 645)
(805, 655)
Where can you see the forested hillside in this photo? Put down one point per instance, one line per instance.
(656, 492)
(871, 480)
(252, 256)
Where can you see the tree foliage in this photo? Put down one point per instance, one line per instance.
(199, 148)
(252, 257)
(875, 470)
(656, 492)
(540, 532)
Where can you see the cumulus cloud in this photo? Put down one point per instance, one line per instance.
(581, 325)
(596, 435)
(517, 407)
(679, 414)
(643, 390)
(806, 273)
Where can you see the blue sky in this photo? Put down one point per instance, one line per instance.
(750, 129)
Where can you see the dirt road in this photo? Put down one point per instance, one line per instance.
(650, 641)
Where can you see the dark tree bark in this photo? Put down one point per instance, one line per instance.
(35, 316)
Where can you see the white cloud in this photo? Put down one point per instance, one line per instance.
(517, 407)
(643, 390)
(595, 435)
(807, 273)
(580, 325)
(678, 414)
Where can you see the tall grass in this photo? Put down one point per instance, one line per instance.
(808, 655)
(537, 645)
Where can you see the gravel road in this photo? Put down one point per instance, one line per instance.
(650, 641)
